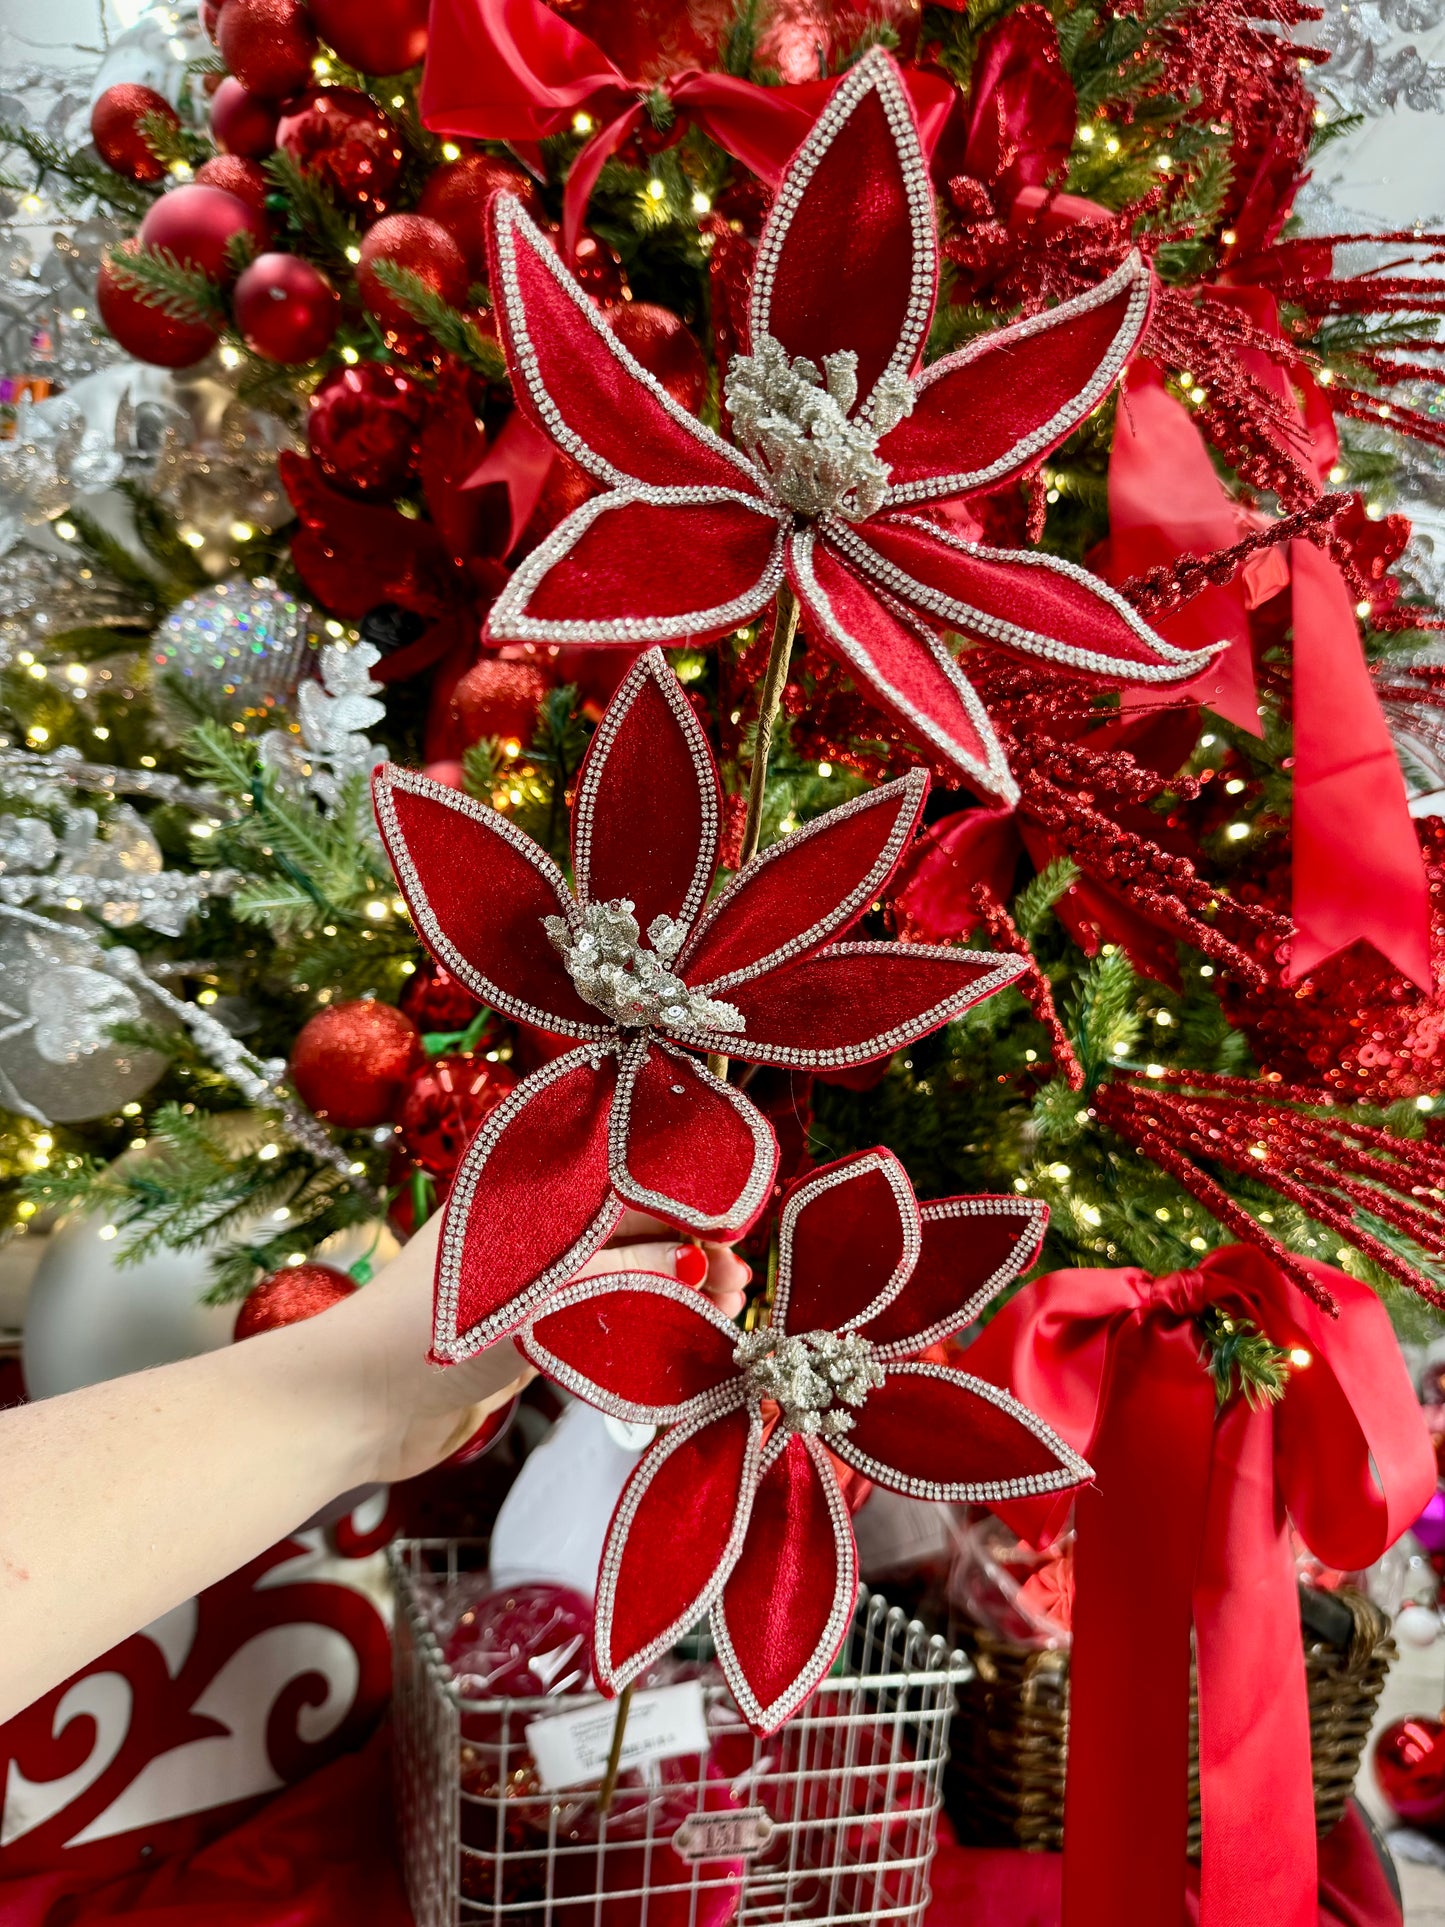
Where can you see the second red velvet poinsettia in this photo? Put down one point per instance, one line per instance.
(842, 451)
(737, 1509)
(646, 975)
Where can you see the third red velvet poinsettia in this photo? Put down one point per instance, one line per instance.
(736, 1509)
(842, 449)
(646, 975)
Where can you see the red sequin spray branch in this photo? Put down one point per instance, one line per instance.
(1003, 934)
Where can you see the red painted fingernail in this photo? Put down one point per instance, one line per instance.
(690, 1264)
(747, 1276)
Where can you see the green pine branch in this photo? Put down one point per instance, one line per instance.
(73, 179)
(447, 326)
(313, 219)
(1035, 902)
(156, 277)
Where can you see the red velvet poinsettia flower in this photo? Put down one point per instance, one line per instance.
(736, 1509)
(839, 441)
(642, 971)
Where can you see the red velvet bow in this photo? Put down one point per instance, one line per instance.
(1112, 1359)
(512, 70)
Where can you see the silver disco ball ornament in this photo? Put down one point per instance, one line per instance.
(245, 643)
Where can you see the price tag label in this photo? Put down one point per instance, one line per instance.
(572, 1748)
(723, 1836)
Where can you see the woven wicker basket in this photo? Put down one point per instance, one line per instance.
(1011, 1733)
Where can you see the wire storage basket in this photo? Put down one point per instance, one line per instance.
(831, 1819)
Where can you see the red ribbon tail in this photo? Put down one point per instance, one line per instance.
(582, 175)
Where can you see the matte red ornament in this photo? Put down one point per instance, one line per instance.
(115, 128)
(351, 1063)
(290, 1295)
(1410, 1769)
(458, 193)
(496, 698)
(243, 123)
(736, 1510)
(343, 140)
(434, 1000)
(374, 36)
(143, 331)
(444, 1106)
(423, 248)
(285, 309)
(268, 45)
(237, 176)
(201, 225)
(666, 347)
(362, 426)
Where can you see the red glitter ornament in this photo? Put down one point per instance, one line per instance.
(362, 427)
(423, 248)
(285, 308)
(434, 1000)
(1410, 1769)
(115, 127)
(268, 45)
(598, 268)
(374, 36)
(237, 176)
(666, 347)
(457, 195)
(201, 226)
(290, 1295)
(351, 1063)
(501, 699)
(343, 141)
(241, 122)
(445, 1103)
(143, 331)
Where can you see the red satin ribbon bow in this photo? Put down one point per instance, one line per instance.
(512, 70)
(1187, 1526)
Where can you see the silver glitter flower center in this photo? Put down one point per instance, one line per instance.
(793, 420)
(810, 1377)
(615, 971)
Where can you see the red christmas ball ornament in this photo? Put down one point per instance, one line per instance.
(445, 1103)
(268, 45)
(237, 176)
(599, 269)
(1410, 1769)
(241, 122)
(457, 195)
(666, 347)
(211, 18)
(342, 139)
(286, 309)
(446, 771)
(287, 1297)
(201, 225)
(143, 331)
(425, 249)
(115, 127)
(362, 427)
(374, 36)
(351, 1063)
(434, 1000)
(501, 699)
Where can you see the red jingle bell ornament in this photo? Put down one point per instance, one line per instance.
(115, 127)
(362, 426)
(242, 122)
(351, 1063)
(497, 698)
(423, 248)
(445, 1104)
(144, 331)
(343, 141)
(237, 176)
(434, 1000)
(268, 45)
(457, 195)
(666, 347)
(374, 36)
(285, 309)
(289, 1295)
(201, 226)
(1410, 1769)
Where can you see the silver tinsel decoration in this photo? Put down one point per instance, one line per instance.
(1371, 67)
(245, 641)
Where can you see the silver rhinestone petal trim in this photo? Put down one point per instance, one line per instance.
(1033, 1216)
(808, 1194)
(754, 1194)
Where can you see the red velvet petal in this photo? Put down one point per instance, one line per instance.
(645, 823)
(899, 664)
(1003, 402)
(934, 1433)
(1017, 597)
(971, 1248)
(531, 1202)
(807, 889)
(788, 1603)
(688, 1146)
(848, 259)
(638, 1346)
(478, 890)
(578, 382)
(858, 1001)
(673, 1540)
(611, 573)
(848, 1235)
